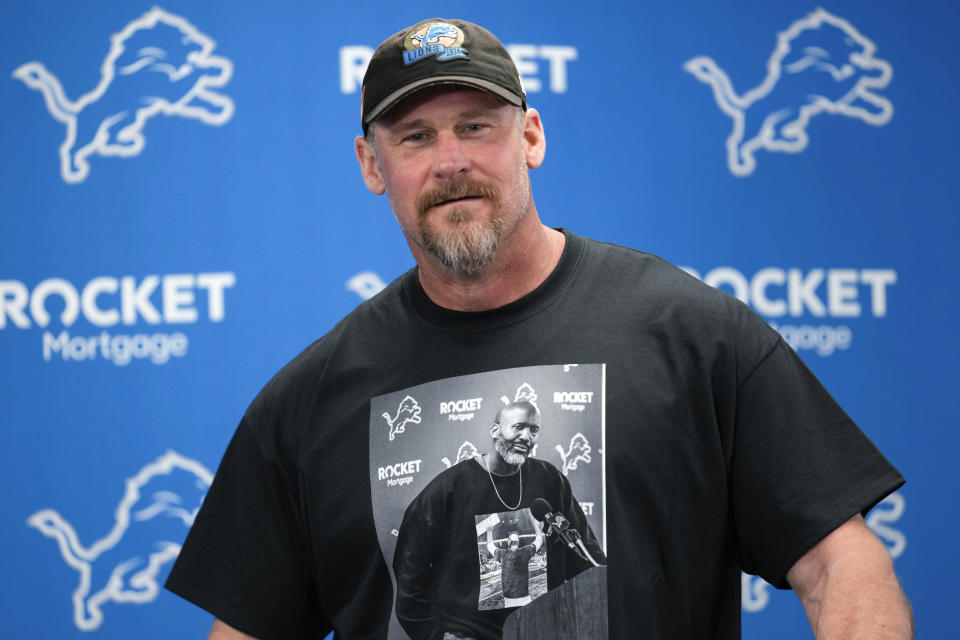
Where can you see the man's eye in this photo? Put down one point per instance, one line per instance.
(475, 126)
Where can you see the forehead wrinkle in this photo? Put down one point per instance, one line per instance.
(400, 123)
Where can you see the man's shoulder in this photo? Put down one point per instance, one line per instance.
(468, 467)
(633, 279)
(446, 481)
(356, 338)
(642, 270)
(544, 470)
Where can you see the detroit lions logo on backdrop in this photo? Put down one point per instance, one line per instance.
(881, 519)
(821, 64)
(407, 412)
(366, 284)
(153, 517)
(157, 64)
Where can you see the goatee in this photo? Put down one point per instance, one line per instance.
(461, 244)
(505, 449)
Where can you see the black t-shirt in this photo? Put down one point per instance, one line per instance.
(516, 570)
(437, 562)
(722, 451)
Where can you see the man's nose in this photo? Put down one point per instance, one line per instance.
(450, 158)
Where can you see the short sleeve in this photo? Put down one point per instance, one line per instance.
(800, 466)
(245, 559)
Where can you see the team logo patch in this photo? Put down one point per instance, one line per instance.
(440, 39)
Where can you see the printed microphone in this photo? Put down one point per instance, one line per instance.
(559, 526)
(555, 522)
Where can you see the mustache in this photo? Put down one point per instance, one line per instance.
(526, 444)
(454, 191)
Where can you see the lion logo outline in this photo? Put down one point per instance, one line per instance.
(579, 451)
(408, 412)
(132, 578)
(855, 74)
(117, 130)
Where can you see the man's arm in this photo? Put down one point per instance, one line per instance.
(222, 631)
(416, 563)
(491, 547)
(848, 588)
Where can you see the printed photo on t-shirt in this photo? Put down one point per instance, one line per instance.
(480, 486)
(513, 559)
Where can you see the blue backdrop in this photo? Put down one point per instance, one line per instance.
(182, 213)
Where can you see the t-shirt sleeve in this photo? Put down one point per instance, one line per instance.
(800, 466)
(415, 562)
(245, 558)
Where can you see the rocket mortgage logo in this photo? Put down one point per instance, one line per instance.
(106, 302)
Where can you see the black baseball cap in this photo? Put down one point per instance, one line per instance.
(437, 51)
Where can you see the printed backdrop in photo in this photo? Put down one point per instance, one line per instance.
(432, 427)
(182, 213)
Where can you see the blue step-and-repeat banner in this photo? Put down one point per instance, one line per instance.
(182, 213)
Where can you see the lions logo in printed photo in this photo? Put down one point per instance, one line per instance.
(407, 412)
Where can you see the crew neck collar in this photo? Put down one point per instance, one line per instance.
(482, 461)
(517, 310)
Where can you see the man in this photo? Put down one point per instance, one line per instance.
(438, 580)
(515, 566)
(723, 451)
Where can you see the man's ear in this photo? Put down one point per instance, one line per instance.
(494, 430)
(533, 136)
(368, 166)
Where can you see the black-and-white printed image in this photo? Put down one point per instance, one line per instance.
(513, 559)
(479, 483)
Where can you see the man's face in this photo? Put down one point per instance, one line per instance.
(516, 433)
(453, 163)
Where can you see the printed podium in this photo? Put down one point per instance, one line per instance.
(576, 610)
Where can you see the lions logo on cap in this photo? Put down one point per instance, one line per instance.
(440, 39)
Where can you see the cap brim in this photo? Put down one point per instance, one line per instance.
(391, 100)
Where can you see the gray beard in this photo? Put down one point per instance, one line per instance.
(462, 245)
(467, 249)
(509, 456)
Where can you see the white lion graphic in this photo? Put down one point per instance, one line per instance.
(466, 451)
(408, 411)
(525, 393)
(579, 451)
(157, 64)
(152, 518)
(821, 64)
